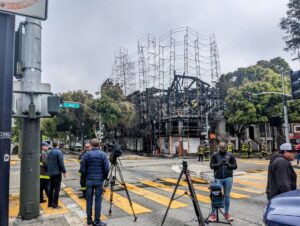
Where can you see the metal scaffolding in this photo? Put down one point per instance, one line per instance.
(170, 81)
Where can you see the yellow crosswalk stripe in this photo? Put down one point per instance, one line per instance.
(155, 197)
(250, 183)
(205, 188)
(257, 191)
(123, 203)
(254, 176)
(200, 198)
(236, 187)
(50, 211)
(13, 206)
(79, 202)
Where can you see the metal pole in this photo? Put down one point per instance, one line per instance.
(30, 170)
(285, 112)
(7, 25)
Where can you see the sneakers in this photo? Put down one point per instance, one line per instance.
(56, 207)
(228, 217)
(212, 218)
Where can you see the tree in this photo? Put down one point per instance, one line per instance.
(116, 112)
(242, 112)
(291, 25)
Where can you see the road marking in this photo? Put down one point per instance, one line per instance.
(250, 183)
(205, 188)
(155, 197)
(123, 203)
(200, 198)
(51, 211)
(13, 206)
(254, 176)
(80, 202)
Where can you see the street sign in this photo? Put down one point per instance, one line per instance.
(71, 105)
(31, 8)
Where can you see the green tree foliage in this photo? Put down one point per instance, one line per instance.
(116, 112)
(235, 86)
(72, 122)
(291, 25)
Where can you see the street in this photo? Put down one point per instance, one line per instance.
(151, 181)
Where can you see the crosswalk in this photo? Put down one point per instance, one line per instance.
(159, 192)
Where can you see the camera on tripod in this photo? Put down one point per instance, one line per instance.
(216, 195)
(116, 153)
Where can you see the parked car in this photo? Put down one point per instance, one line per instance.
(283, 210)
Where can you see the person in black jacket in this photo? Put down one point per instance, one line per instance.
(95, 166)
(281, 174)
(223, 163)
(86, 149)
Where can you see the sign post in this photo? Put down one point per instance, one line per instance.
(7, 25)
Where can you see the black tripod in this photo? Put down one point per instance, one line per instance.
(192, 194)
(112, 179)
(216, 210)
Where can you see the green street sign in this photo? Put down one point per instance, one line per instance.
(71, 105)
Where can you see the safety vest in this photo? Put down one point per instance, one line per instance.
(230, 148)
(200, 150)
(244, 147)
(43, 174)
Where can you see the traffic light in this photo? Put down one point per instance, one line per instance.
(54, 104)
(295, 84)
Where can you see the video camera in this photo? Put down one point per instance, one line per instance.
(116, 153)
(216, 195)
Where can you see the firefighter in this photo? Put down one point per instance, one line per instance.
(230, 146)
(206, 151)
(44, 177)
(249, 149)
(244, 149)
(264, 151)
(86, 149)
(200, 152)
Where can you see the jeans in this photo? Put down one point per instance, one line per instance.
(55, 182)
(94, 187)
(227, 185)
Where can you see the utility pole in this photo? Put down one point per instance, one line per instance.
(7, 25)
(31, 85)
(285, 112)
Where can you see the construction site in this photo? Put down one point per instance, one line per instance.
(171, 82)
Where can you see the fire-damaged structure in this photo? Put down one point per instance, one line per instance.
(170, 81)
(173, 121)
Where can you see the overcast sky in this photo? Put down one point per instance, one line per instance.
(80, 37)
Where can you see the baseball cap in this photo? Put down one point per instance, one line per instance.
(45, 144)
(286, 147)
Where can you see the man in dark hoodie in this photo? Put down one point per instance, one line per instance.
(223, 163)
(281, 175)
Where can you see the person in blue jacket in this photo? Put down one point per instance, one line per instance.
(95, 167)
(56, 168)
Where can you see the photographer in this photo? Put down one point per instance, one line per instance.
(223, 163)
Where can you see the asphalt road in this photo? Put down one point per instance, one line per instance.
(151, 181)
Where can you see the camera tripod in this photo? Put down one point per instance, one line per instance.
(112, 179)
(192, 194)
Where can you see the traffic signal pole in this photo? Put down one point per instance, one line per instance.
(30, 168)
(285, 112)
(7, 25)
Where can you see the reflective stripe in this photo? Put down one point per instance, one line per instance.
(44, 177)
(83, 188)
(41, 164)
(79, 173)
